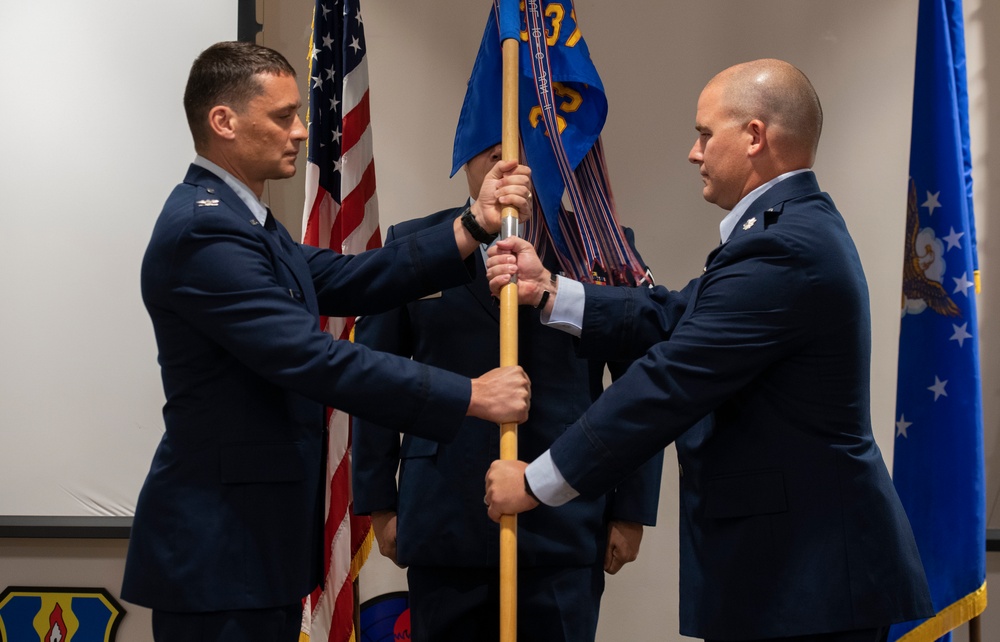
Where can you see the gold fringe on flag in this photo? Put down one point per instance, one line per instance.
(950, 618)
(361, 556)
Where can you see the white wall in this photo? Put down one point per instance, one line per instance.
(654, 58)
(93, 140)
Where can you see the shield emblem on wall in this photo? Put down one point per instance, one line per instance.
(35, 614)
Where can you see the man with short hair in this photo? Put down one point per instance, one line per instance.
(759, 372)
(228, 529)
(429, 522)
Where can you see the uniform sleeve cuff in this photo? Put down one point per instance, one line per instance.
(547, 482)
(567, 310)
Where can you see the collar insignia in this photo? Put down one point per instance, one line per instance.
(749, 224)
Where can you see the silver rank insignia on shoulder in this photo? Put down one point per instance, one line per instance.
(208, 202)
(749, 224)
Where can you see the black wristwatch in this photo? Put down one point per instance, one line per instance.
(475, 229)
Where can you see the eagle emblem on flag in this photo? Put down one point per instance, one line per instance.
(923, 267)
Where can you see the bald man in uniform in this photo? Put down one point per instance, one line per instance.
(759, 372)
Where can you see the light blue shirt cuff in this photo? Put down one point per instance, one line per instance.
(547, 482)
(567, 311)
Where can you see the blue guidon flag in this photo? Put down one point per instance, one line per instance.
(33, 614)
(561, 112)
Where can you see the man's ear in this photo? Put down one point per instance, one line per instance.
(757, 133)
(222, 121)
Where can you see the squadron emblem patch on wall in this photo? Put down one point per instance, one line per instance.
(33, 614)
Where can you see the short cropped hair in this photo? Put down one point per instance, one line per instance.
(226, 74)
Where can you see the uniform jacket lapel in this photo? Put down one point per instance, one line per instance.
(479, 287)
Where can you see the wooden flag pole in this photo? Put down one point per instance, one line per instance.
(510, 150)
(975, 630)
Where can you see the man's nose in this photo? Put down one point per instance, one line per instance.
(300, 133)
(694, 156)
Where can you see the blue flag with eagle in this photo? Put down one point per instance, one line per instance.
(559, 92)
(938, 457)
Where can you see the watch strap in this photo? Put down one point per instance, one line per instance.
(477, 231)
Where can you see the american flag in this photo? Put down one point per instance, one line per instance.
(341, 213)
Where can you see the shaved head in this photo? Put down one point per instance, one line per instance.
(755, 121)
(778, 94)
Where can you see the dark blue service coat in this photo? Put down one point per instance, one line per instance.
(759, 371)
(231, 513)
(441, 518)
